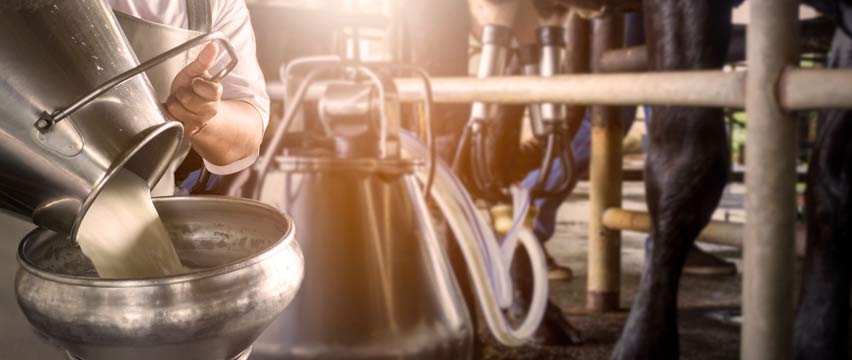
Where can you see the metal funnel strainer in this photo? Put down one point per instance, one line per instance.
(247, 266)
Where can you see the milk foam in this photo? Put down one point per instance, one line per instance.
(122, 233)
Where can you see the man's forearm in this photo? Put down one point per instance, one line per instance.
(233, 134)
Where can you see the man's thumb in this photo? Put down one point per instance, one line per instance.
(205, 60)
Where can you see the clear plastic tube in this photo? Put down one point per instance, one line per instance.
(520, 208)
(488, 262)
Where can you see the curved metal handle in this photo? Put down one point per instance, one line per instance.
(386, 126)
(46, 120)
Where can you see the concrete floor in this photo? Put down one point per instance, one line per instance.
(708, 306)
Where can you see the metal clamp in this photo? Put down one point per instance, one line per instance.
(48, 119)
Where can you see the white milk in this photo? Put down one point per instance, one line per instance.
(122, 233)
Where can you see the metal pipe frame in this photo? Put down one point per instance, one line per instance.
(716, 232)
(699, 88)
(772, 46)
(798, 89)
(805, 89)
(628, 59)
(605, 171)
(577, 60)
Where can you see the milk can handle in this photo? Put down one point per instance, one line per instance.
(46, 121)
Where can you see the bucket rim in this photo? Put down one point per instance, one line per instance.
(273, 249)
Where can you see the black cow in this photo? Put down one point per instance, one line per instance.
(688, 152)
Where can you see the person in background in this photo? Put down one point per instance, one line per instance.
(223, 121)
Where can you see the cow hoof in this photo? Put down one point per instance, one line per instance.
(555, 330)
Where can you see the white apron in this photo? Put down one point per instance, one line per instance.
(149, 39)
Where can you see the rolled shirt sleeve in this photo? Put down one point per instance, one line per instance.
(245, 82)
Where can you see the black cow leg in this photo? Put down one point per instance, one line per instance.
(822, 328)
(686, 169)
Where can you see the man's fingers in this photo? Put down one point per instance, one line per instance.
(209, 90)
(195, 103)
(182, 114)
(195, 100)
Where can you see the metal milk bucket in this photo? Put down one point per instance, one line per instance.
(247, 266)
(73, 110)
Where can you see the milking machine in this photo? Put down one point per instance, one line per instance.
(378, 283)
(496, 42)
(55, 159)
(548, 121)
(530, 57)
(552, 125)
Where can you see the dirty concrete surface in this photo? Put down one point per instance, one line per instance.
(708, 306)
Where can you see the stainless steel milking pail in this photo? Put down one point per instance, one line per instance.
(73, 110)
(377, 283)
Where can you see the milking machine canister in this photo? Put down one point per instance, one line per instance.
(378, 284)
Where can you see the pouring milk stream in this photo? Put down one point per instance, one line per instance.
(122, 233)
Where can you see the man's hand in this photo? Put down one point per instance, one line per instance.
(221, 131)
(194, 99)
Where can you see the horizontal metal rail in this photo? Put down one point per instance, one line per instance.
(799, 89)
(716, 232)
(702, 88)
(629, 59)
(815, 89)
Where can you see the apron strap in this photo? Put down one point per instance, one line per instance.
(200, 16)
(200, 19)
